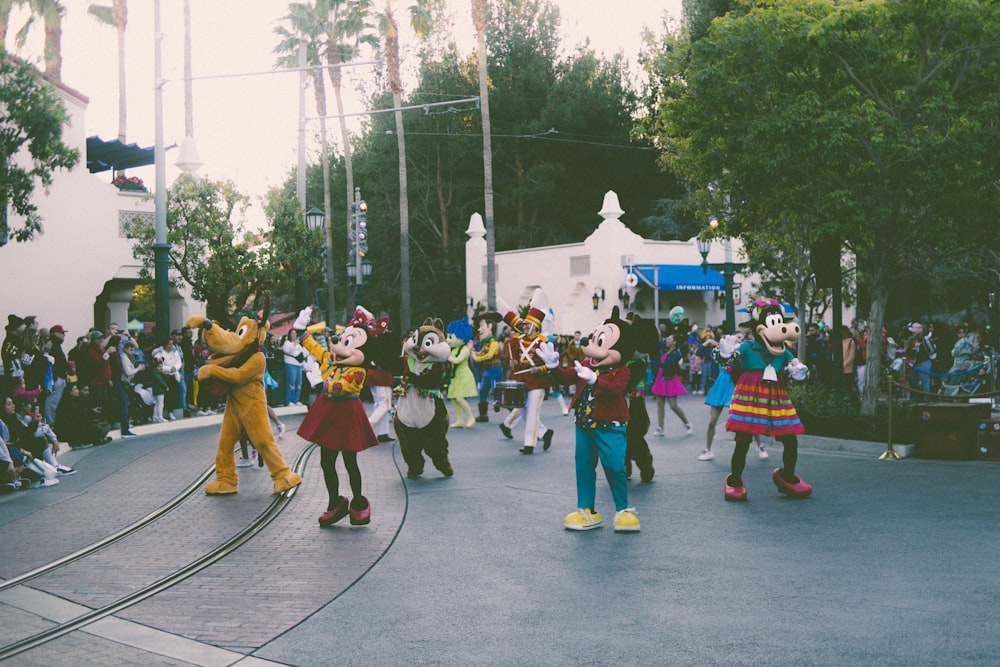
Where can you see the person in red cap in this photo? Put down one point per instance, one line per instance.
(524, 365)
(60, 366)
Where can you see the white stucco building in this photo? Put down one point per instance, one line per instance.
(79, 272)
(584, 281)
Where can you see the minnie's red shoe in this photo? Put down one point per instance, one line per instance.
(362, 516)
(327, 519)
(735, 493)
(799, 489)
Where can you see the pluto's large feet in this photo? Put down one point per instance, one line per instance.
(217, 487)
(289, 481)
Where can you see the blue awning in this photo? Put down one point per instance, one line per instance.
(103, 155)
(680, 277)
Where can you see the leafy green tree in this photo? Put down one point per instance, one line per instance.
(31, 125)
(210, 250)
(873, 122)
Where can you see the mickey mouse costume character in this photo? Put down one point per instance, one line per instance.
(601, 415)
(337, 421)
(760, 402)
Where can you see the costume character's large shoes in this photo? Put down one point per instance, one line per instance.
(361, 517)
(799, 489)
(626, 521)
(582, 519)
(217, 487)
(289, 481)
(330, 517)
(735, 493)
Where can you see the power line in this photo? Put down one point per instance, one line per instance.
(541, 137)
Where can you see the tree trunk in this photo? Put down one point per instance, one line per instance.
(873, 361)
(320, 92)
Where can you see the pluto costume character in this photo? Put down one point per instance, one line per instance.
(601, 412)
(760, 402)
(236, 368)
(421, 419)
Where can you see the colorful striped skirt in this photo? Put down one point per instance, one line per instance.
(762, 408)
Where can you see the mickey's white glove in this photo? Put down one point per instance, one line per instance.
(548, 354)
(304, 319)
(728, 345)
(797, 370)
(585, 373)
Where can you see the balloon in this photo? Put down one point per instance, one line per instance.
(676, 314)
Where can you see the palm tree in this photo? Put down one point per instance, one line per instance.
(420, 21)
(6, 6)
(116, 15)
(51, 13)
(334, 29)
(308, 29)
(479, 9)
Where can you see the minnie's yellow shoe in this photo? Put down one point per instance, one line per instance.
(582, 519)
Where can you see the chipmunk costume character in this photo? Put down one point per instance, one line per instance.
(337, 421)
(421, 419)
(236, 370)
(602, 413)
(760, 402)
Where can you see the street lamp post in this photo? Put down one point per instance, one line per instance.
(728, 269)
(360, 272)
(356, 269)
(316, 221)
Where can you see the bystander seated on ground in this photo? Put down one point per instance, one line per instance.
(10, 473)
(78, 423)
(29, 434)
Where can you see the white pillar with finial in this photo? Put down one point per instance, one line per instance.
(475, 263)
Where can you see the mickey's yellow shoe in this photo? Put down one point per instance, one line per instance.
(582, 519)
(626, 521)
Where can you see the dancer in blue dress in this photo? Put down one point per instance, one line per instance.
(718, 399)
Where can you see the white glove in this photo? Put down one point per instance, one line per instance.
(547, 353)
(728, 346)
(304, 319)
(797, 370)
(585, 373)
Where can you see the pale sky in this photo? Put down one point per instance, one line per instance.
(246, 127)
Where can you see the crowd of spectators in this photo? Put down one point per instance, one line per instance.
(53, 397)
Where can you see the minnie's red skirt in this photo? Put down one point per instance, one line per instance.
(340, 425)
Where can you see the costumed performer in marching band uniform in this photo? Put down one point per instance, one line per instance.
(524, 365)
(760, 402)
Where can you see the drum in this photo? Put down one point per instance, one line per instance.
(511, 394)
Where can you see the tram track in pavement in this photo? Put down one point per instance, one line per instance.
(164, 582)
